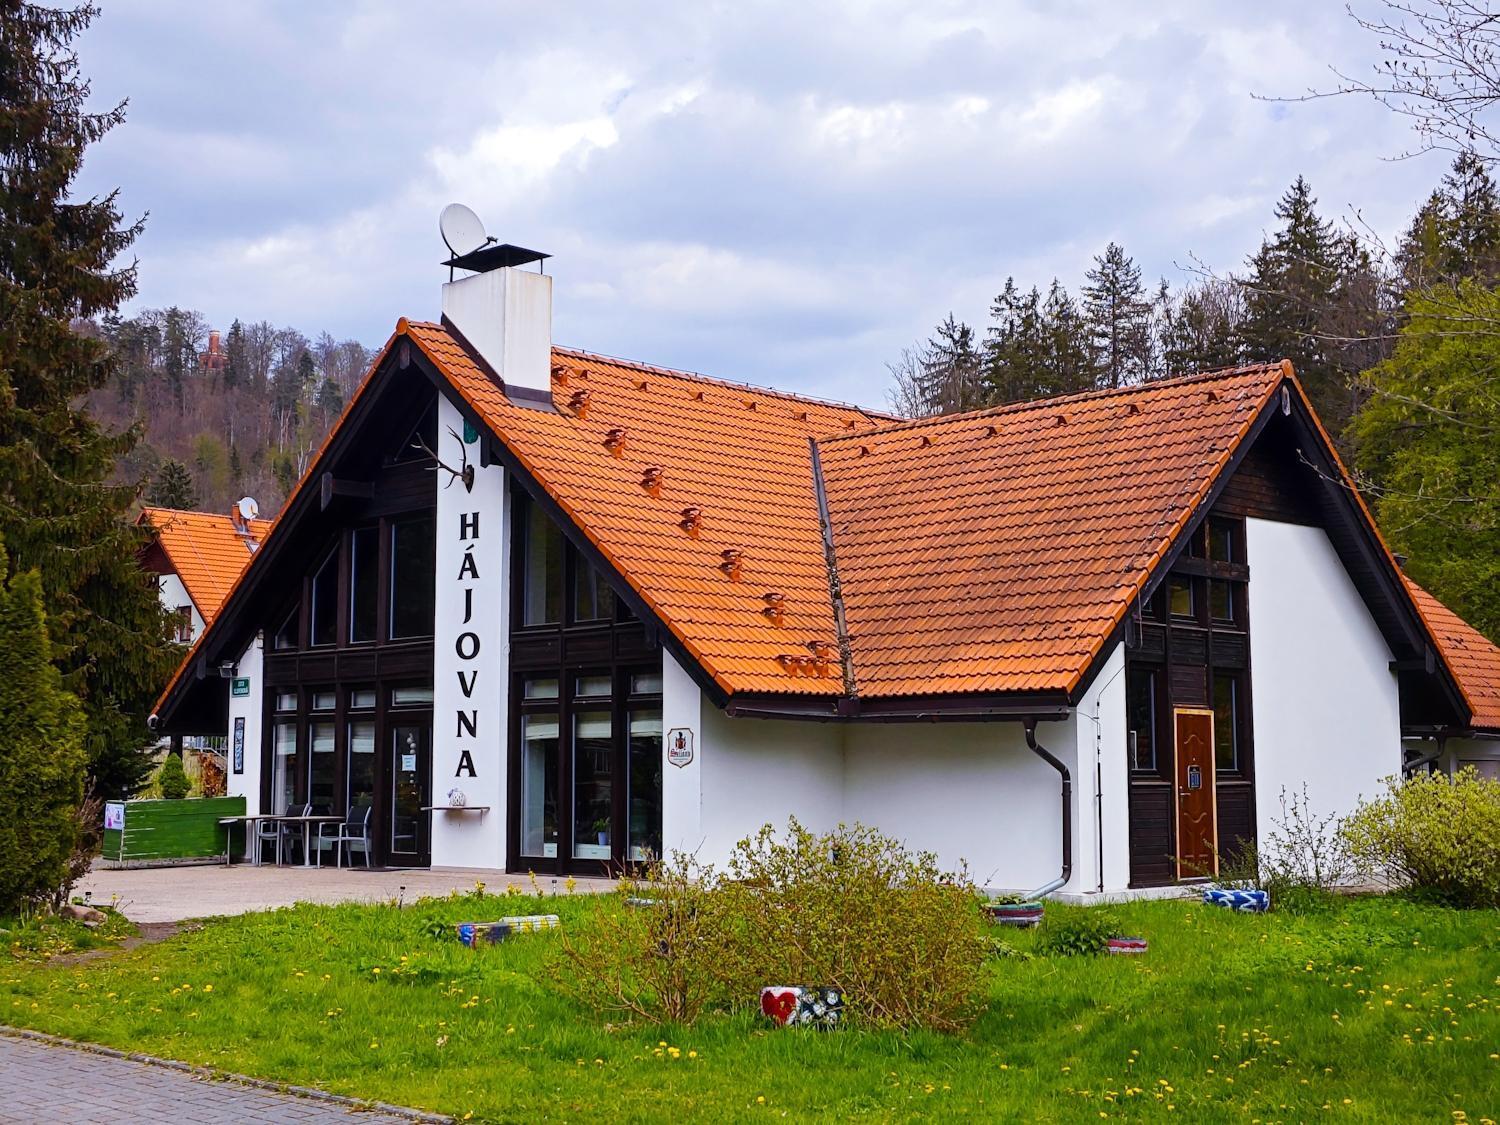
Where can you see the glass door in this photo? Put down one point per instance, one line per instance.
(410, 818)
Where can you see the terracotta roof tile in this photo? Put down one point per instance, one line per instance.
(1473, 659)
(205, 550)
(739, 454)
(996, 551)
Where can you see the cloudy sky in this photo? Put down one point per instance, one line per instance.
(780, 193)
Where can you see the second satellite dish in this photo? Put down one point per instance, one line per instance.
(461, 230)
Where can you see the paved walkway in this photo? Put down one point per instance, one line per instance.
(172, 894)
(51, 1082)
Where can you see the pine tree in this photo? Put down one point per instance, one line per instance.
(1471, 233)
(1118, 316)
(41, 751)
(235, 363)
(1200, 328)
(1419, 257)
(952, 374)
(1293, 282)
(59, 514)
(173, 487)
(1013, 346)
(1067, 358)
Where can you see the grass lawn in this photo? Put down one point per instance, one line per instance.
(1379, 1011)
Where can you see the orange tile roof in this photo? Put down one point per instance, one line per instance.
(1472, 657)
(997, 551)
(738, 454)
(206, 551)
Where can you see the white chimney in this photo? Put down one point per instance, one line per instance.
(506, 316)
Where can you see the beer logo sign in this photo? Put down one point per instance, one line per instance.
(680, 746)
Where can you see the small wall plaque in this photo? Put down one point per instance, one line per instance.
(680, 746)
(239, 686)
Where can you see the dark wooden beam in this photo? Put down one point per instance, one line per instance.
(331, 488)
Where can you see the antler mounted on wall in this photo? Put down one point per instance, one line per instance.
(465, 471)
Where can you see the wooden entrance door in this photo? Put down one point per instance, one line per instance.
(1197, 811)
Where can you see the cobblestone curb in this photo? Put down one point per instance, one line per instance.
(211, 1075)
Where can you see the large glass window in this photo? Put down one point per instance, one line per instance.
(542, 583)
(361, 765)
(1226, 722)
(539, 785)
(644, 734)
(413, 556)
(1141, 706)
(593, 597)
(364, 582)
(322, 765)
(325, 602)
(593, 789)
(283, 777)
(286, 635)
(1221, 602)
(1182, 601)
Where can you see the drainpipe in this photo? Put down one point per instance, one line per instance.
(1067, 812)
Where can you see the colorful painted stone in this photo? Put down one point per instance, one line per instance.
(803, 1005)
(1014, 913)
(474, 934)
(1126, 946)
(1249, 902)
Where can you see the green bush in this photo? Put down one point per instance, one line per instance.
(41, 752)
(1438, 836)
(850, 909)
(1302, 861)
(901, 938)
(172, 780)
(1084, 932)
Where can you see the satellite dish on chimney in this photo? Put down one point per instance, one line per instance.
(462, 230)
(469, 248)
(248, 508)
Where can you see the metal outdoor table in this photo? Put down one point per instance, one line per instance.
(309, 821)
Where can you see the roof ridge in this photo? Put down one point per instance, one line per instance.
(1053, 401)
(699, 377)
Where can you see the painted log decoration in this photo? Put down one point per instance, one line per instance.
(475, 934)
(1025, 914)
(1247, 902)
(1126, 946)
(817, 1006)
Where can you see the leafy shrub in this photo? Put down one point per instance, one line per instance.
(854, 909)
(654, 954)
(1435, 835)
(173, 780)
(850, 909)
(1084, 932)
(1302, 861)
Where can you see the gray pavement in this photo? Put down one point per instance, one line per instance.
(50, 1082)
(172, 894)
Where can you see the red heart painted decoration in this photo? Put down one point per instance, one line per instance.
(778, 1004)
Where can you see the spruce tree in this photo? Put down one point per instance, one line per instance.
(59, 513)
(41, 751)
(1067, 359)
(1119, 318)
(952, 375)
(173, 486)
(1471, 233)
(1294, 278)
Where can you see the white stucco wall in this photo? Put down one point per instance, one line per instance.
(682, 707)
(1481, 753)
(1324, 700)
(762, 771)
(174, 595)
(250, 708)
(470, 666)
(1102, 783)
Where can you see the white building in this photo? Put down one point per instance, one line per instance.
(542, 610)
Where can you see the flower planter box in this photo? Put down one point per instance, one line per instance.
(1014, 913)
(1126, 946)
(475, 934)
(803, 1006)
(1248, 902)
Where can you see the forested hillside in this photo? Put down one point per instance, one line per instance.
(1399, 349)
(239, 418)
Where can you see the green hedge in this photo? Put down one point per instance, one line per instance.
(172, 829)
